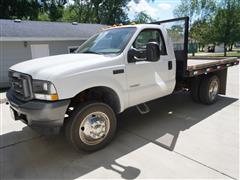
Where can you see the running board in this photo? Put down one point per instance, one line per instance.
(143, 108)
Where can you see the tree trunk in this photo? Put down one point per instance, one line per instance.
(225, 50)
(230, 47)
(96, 6)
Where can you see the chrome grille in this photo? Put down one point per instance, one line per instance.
(21, 85)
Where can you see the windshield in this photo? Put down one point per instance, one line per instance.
(108, 41)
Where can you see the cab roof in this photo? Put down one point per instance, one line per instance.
(135, 25)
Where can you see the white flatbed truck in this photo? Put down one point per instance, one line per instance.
(116, 69)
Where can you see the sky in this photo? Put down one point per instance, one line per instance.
(157, 9)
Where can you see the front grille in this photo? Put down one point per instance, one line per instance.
(21, 85)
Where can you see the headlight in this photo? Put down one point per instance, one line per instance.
(44, 90)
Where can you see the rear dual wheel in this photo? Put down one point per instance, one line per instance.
(206, 90)
(209, 90)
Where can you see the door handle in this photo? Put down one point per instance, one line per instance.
(169, 65)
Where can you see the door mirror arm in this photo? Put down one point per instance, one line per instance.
(152, 53)
(135, 55)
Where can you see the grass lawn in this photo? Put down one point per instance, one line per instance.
(229, 54)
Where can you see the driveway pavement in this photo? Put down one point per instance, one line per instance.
(177, 139)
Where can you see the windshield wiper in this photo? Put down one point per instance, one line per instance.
(93, 52)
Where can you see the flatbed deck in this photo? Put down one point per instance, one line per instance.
(201, 65)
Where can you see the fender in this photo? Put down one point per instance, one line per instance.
(116, 83)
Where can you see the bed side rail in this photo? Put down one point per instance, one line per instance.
(212, 66)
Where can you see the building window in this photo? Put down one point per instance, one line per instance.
(72, 49)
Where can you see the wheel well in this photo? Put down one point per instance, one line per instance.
(100, 94)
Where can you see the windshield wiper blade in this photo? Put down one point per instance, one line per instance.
(93, 52)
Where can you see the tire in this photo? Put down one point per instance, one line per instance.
(209, 89)
(194, 89)
(91, 126)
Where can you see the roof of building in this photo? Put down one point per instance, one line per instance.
(19, 30)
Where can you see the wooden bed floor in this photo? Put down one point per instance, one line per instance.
(203, 63)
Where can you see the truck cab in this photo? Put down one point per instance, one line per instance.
(116, 69)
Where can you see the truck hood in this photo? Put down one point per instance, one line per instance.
(53, 66)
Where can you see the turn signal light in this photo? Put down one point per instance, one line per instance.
(54, 97)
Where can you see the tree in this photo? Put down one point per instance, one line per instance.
(69, 14)
(113, 11)
(176, 32)
(87, 11)
(186, 8)
(97, 11)
(202, 32)
(53, 8)
(195, 9)
(142, 17)
(206, 9)
(55, 12)
(200, 14)
(80, 11)
(21, 9)
(212, 22)
(227, 23)
(43, 17)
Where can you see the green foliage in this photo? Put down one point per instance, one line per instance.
(227, 22)
(70, 14)
(142, 17)
(186, 8)
(113, 11)
(55, 12)
(43, 17)
(176, 33)
(97, 11)
(22, 9)
(196, 9)
(85, 11)
(53, 8)
(202, 32)
(212, 21)
(206, 9)
(79, 12)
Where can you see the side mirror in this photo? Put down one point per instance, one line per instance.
(153, 51)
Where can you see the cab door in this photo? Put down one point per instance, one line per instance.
(147, 80)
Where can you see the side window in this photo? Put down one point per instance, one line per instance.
(150, 35)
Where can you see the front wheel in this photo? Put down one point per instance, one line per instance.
(209, 89)
(91, 126)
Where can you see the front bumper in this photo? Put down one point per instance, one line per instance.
(37, 113)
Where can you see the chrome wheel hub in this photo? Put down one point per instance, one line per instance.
(213, 89)
(94, 128)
